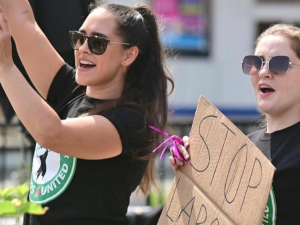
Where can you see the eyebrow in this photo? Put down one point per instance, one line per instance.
(94, 33)
(261, 56)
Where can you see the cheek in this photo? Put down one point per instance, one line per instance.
(288, 86)
(254, 80)
(107, 65)
(76, 55)
(291, 87)
(109, 61)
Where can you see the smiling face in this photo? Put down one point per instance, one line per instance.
(101, 73)
(277, 95)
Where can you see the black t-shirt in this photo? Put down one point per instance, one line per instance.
(283, 148)
(78, 191)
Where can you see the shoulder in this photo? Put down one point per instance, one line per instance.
(66, 69)
(64, 90)
(254, 136)
(131, 125)
(131, 118)
(132, 113)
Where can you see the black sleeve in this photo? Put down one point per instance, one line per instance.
(263, 145)
(130, 125)
(64, 88)
(254, 136)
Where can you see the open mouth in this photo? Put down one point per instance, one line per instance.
(85, 64)
(266, 89)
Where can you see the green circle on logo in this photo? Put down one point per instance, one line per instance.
(270, 210)
(51, 175)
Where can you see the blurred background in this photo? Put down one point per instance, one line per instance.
(209, 39)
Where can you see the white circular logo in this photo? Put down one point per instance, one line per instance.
(51, 174)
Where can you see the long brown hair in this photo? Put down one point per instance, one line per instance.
(146, 82)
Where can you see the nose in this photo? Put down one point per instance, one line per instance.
(85, 47)
(264, 71)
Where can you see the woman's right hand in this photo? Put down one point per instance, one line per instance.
(184, 152)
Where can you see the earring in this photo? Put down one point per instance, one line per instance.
(124, 69)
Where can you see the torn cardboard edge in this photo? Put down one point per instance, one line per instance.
(227, 180)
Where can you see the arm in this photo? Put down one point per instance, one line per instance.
(87, 137)
(84, 137)
(39, 58)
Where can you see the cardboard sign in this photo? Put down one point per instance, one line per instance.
(227, 180)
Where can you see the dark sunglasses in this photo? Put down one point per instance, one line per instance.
(97, 45)
(277, 65)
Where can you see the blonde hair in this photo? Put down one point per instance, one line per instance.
(288, 31)
(284, 30)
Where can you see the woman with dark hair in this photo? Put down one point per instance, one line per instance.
(94, 147)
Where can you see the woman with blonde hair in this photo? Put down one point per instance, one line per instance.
(274, 71)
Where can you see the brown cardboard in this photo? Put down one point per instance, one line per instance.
(227, 180)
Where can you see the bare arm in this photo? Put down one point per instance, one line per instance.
(90, 137)
(39, 58)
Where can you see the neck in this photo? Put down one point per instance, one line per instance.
(111, 92)
(275, 123)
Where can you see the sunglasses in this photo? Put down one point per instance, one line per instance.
(277, 65)
(97, 45)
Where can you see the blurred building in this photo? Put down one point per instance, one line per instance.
(213, 69)
(232, 28)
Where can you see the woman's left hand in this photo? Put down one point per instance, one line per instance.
(5, 43)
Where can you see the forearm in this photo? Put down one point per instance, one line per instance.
(38, 117)
(39, 58)
(17, 13)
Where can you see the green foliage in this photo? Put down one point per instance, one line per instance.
(13, 202)
(157, 198)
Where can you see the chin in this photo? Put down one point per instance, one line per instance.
(264, 108)
(268, 109)
(80, 81)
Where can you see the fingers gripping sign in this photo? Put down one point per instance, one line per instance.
(179, 154)
(186, 142)
(175, 163)
(5, 42)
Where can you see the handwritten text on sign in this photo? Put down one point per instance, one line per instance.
(227, 180)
